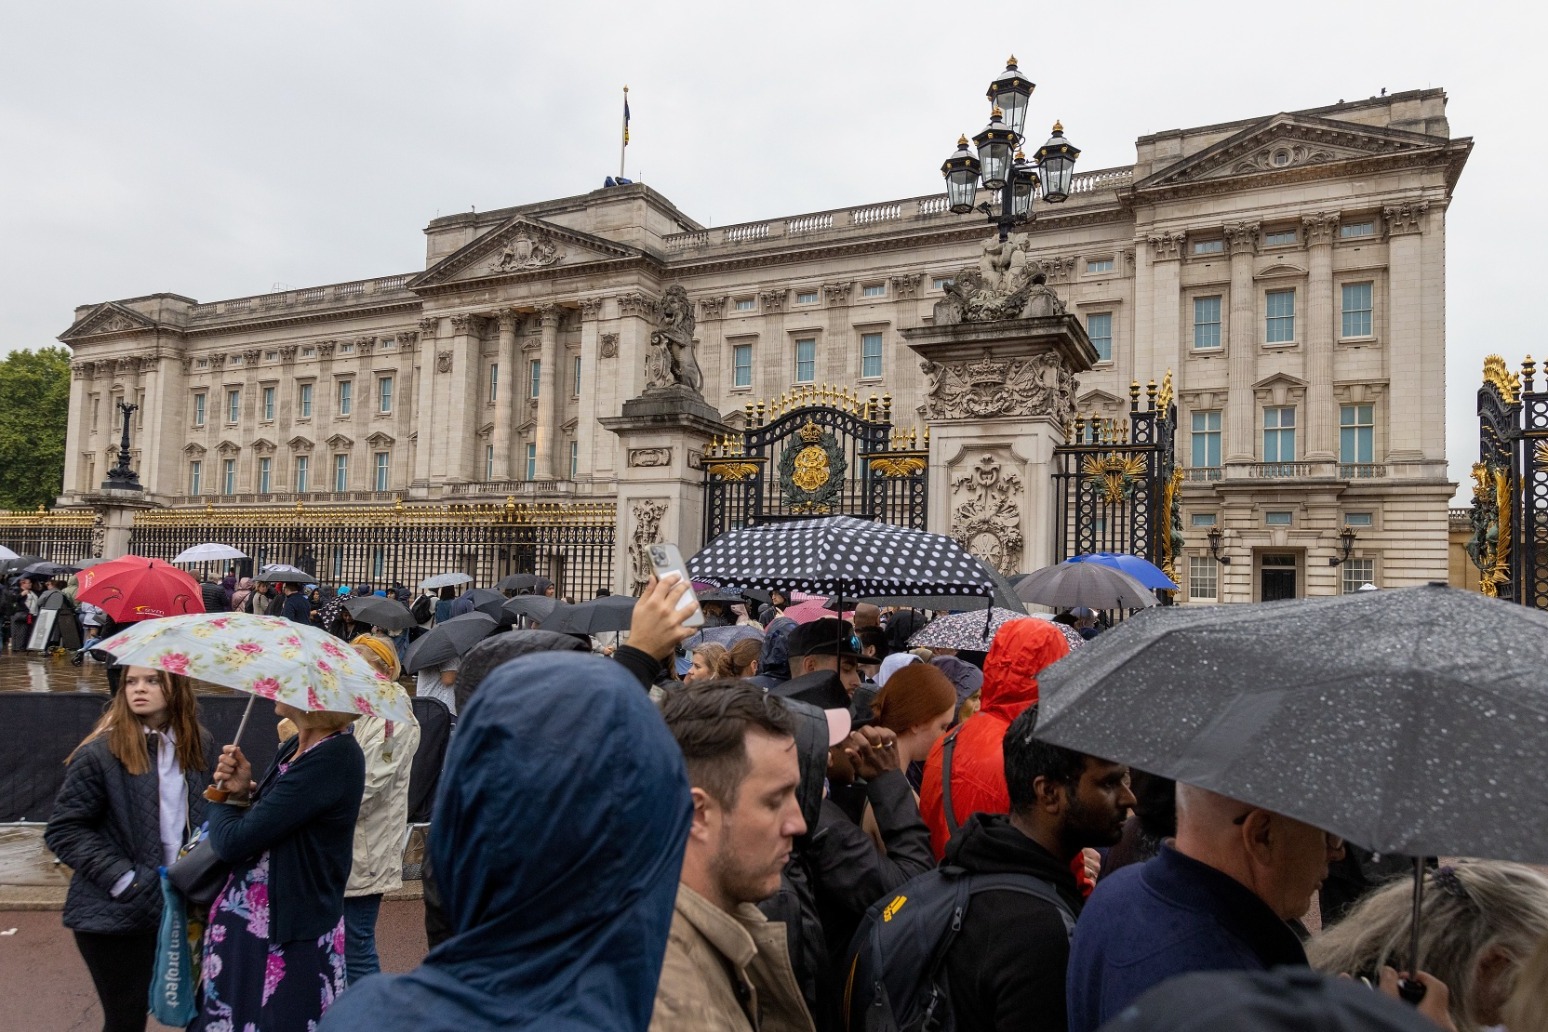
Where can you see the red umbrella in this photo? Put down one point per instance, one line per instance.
(814, 608)
(135, 588)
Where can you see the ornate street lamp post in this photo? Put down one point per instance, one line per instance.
(121, 477)
(1000, 165)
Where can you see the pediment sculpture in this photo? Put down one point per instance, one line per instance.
(525, 251)
(1005, 284)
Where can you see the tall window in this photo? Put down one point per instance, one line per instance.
(574, 460)
(195, 476)
(383, 470)
(1206, 439)
(531, 461)
(535, 377)
(1203, 579)
(304, 401)
(384, 394)
(268, 404)
(488, 462)
(1206, 322)
(1356, 433)
(870, 356)
(233, 405)
(575, 371)
(265, 475)
(494, 382)
(1280, 305)
(346, 396)
(741, 365)
(1099, 326)
(1357, 310)
(228, 477)
(341, 472)
(199, 399)
(1279, 434)
(1354, 573)
(303, 470)
(806, 361)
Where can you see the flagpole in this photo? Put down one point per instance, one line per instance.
(624, 142)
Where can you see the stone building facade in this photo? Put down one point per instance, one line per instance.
(1288, 270)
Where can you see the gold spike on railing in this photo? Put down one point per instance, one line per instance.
(1528, 373)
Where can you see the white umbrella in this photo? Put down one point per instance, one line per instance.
(445, 580)
(209, 553)
(6, 553)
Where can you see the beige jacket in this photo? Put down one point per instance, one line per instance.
(706, 945)
(383, 822)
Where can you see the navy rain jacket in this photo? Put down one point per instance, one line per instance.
(559, 834)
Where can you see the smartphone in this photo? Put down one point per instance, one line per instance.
(667, 562)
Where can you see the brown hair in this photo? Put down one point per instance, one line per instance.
(738, 656)
(126, 735)
(710, 721)
(914, 695)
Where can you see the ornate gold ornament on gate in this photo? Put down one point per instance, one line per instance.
(1115, 474)
(811, 475)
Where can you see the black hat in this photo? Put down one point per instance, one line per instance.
(827, 637)
(1285, 999)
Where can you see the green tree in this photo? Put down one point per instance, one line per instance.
(34, 415)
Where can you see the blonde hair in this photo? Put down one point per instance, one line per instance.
(380, 654)
(713, 653)
(1527, 1008)
(1469, 908)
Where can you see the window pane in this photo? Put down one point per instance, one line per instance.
(228, 477)
(346, 396)
(198, 410)
(494, 382)
(1279, 434)
(874, 290)
(1281, 316)
(1099, 327)
(1354, 573)
(806, 361)
(1099, 265)
(532, 462)
(806, 297)
(384, 394)
(745, 304)
(268, 403)
(233, 406)
(341, 472)
(302, 469)
(741, 365)
(1202, 519)
(383, 466)
(1203, 578)
(535, 374)
(1206, 439)
(265, 473)
(1351, 230)
(1209, 247)
(574, 459)
(306, 401)
(194, 470)
(575, 373)
(870, 355)
(1357, 310)
(1206, 322)
(1279, 238)
(1356, 433)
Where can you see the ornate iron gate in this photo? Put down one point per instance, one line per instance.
(816, 452)
(1116, 482)
(1509, 515)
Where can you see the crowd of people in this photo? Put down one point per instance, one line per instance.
(733, 827)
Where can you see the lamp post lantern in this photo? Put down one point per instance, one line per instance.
(1000, 164)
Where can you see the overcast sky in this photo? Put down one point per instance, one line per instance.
(216, 149)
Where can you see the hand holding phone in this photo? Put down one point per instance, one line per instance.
(667, 563)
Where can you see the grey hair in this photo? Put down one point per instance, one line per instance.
(1469, 907)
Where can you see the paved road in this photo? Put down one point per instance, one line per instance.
(44, 986)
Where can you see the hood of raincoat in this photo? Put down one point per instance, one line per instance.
(559, 833)
(811, 738)
(488, 655)
(1020, 651)
(774, 660)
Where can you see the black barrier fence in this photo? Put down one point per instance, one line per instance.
(42, 729)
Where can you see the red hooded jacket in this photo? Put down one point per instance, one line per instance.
(1021, 649)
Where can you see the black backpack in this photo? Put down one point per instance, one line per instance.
(897, 964)
(423, 608)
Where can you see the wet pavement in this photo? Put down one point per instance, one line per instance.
(53, 672)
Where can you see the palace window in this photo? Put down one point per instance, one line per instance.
(1099, 327)
(806, 361)
(494, 382)
(1209, 247)
(228, 477)
(531, 461)
(534, 377)
(1355, 230)
(195, 476)
(1206, 439)
(378, 562)
(383, 470)
(268, 404)
(1099, 265)
(1206, 322)
(1355, 573)
(303, 469)
(1279, 518)
(1202, 519)
(199, 400)
(265, 475)
(346, 396)
(233, 405)
(341, 472)
(874, 290)
(741, 365)
(1203, 579)
(746, 304)
(806, 297)
(304, 400)
(1357, 309)
(941, 282)
(1356, 433)
(1280, 306)
(488, 462)
(1279, 434)
(575, 374)
(574, 460)
(1358, 519)
(870, 356)
(384, 394)
(1279, 238)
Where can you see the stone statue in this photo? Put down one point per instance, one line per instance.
(1004, 284)
(671, 361)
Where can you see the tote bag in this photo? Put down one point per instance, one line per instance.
(174, 986)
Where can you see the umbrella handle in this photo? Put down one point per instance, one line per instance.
(217, 792)
(1410, 988)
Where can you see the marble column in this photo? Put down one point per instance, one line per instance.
(546, 431)
(589, 407)
(506, 384)
(427, 428)
(1418, 385)
(1321, 414)
(1242, 344)
(79, 433)
(150, 435)
(462, 400)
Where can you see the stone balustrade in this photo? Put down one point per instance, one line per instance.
(355, 291)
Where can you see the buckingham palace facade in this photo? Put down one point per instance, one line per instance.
(1288, 270)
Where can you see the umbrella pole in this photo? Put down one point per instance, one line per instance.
(1410, 988)
(217, 793)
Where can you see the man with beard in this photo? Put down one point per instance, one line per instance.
(1006, 968)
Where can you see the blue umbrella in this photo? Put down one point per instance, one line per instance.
(1142, 570)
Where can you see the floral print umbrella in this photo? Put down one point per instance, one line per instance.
(266, 656)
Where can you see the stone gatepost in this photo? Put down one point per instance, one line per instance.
(114, 527)
(1000, 395)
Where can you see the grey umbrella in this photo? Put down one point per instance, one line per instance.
(608, 613)
(281, 573)
(380, 612)
(1091, 585)
(448, 640)
(444, 580)
(533, 607)
(518, 582)
(484, 601)
(967, 630)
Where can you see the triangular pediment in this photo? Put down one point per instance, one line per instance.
(521, 245)
(1273, 380)
(1097, 398)
(340, 442)
(381, 440)
(228, 448)
(192, 449)
(108, 317)
(1288, 141)
(299, 443)
(263, 446)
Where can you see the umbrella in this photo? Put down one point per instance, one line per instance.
(485, 601)
(1004, 597)
(6, 553)
(608, 613)
(448, 640)
(842, 555)
(1142, 570)
(727, 636)
(86, 564)
(134, 588)
(1092, 585)
(533, 607)
(518, 582)
(380, 612)
(445, 580)
(47, 569)
(208, 553)
(816, 609)
(965, 630)
(10, 566)
(1401, 720)
(283, 573)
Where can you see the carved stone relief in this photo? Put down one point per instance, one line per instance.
(773, 300)
(987, 519)
(671, 361)
(642, 457)
(1242, 237)
(1167, 246)
(714, 307)
(636, 304)
(1005, 284)
(429, 326)
(1405, 218)
(1036, 386)
(591, 307)
(647, 515)
(443, 361)
(1282, 155)
(1321, 227)
(609, 345)
(837, 293)
(525, 250)
(906, 286)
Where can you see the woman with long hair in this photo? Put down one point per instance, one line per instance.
(131, 797)
(741, 659)
(706, 660)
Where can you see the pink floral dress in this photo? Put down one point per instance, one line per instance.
(252, 984)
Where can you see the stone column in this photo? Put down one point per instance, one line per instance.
(151, 434)
(462, 399)
(78, 428)
(1241, 345)
(546, 431)
(1154, 354)
(1418, 384)
(588, 408)
(505, 396)
(1321, 414)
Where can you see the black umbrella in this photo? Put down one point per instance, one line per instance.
(448, 640)
(282, 573)
(380, 612)
(1004, 597)
(533, 607)
(484, 601)
(608, 613)
(1092, 585)
(10, 567)
(1401, 720)
(518, 582)
(47, 570)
